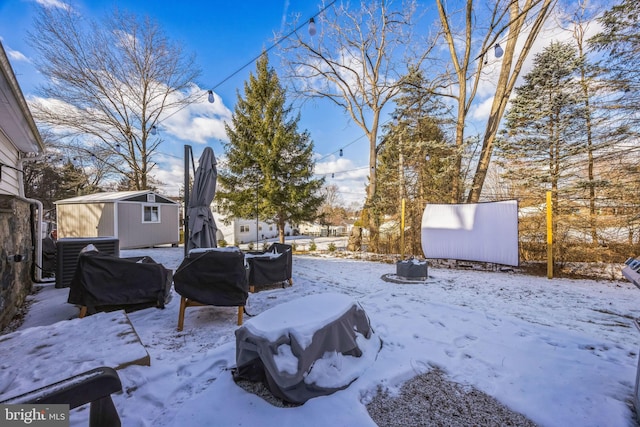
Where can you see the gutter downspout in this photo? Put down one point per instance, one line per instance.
(38, 249)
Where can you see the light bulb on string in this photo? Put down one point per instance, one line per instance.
(312, 27)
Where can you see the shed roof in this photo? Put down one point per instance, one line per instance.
(115, 196)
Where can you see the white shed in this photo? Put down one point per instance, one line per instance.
(138, 219)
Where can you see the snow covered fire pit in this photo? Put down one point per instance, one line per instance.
(412, 269)
(309, 347)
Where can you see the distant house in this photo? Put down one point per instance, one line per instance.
(138, 219)
(20, 218)
(236, 231)
(315, 229)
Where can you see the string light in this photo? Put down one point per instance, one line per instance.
(312, 32)
(312, 27)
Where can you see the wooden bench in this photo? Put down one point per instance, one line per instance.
(94, 387)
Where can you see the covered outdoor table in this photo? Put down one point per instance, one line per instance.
(102, 282)
(308, 347)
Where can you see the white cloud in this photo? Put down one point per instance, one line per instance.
(481, 111)
(49, 4)
(350, 179)
(170, 171)
(16, 55)
(198, 122)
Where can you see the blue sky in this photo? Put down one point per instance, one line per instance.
(224, 36)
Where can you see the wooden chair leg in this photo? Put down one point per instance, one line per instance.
(183, 306)
(83, 311)
(240, 314)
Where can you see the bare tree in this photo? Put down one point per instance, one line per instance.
(332, 211)
(358, 61)
(108, 85)
(521, 21)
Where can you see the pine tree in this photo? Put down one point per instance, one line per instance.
(619, 41)
(50, 181)
(414, 160)
(544, 122)
(270, 169)
(543, 148)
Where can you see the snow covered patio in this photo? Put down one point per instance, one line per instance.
(561, 352)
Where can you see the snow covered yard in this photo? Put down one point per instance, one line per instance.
(561, 352)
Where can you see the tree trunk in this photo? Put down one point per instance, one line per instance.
(506, 83)
(374, 219)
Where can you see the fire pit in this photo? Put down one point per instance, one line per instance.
(412, 269)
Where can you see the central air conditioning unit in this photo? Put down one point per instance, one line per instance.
(67, 252)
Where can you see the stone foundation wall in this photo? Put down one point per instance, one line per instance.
(15, 271)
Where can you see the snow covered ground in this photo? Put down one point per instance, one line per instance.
(562, 352)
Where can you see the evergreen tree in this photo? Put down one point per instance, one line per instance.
(619, 40)
(414, 160)
(543, 148)
(544, 123)
(49, 182)
(270, 169)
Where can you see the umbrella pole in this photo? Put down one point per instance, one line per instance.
(187, 154)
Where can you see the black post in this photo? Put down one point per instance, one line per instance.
(187, 155)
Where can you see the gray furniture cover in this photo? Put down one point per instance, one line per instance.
(102, 282)
(213, 277)
(308, 328)
(271, 266)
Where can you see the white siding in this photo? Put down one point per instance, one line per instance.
(9, 184)
(134, 233)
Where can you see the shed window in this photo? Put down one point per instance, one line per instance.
(244, 228)
(150, 213)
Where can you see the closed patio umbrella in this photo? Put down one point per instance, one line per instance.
(202, 227)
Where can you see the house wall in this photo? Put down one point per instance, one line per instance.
(240, 231)
(9, 183)
(15, 235)
(133, 232)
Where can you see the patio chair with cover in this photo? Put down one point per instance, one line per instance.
(270, 267)
(212, 276)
